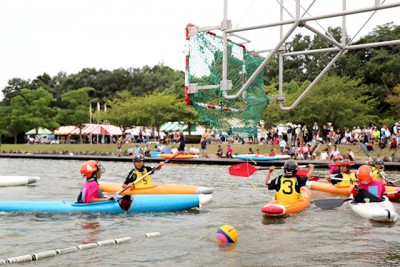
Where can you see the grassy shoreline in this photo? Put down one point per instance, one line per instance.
(111, 149)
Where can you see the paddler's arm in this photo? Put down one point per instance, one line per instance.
(310, 171)
(103, 199)
(160, 166)
(131, 177)
(267, 179)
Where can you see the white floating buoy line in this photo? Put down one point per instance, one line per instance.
(52, 253)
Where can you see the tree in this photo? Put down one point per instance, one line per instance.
(394, 99)
(77, 108)
(30, 109)
(121, 109)
(154, 110)
(339, 100)
(40, 109)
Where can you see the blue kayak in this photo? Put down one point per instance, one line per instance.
(255, 157)
(137, 203)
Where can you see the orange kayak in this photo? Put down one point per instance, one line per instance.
(180, 156)
(157, 189)
(346, 190)
(275, 208)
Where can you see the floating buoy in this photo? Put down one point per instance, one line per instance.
(52, 253)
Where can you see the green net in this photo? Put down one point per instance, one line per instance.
(204, 67)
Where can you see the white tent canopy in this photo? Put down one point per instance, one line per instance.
(40, 131)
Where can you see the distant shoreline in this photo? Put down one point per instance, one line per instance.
(206, 161)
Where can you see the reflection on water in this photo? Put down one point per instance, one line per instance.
(314, 237)
(274, 220)
(93, 230)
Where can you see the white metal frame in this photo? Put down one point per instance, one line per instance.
(298, 21)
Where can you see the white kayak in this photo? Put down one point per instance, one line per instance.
(376, 211)
(18, 180)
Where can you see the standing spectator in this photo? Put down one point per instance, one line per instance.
(282, 144)
(203, 144)
(289, 135)
(315, 131)
(181, 141)
(305, 133)
(119, 146)
(325, 133)
(147, 134)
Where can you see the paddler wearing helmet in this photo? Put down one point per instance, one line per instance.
(288, 185)
(334, 170)
(345, 177)
(91, 170)
(367, 187)
(138, 172)
(378, 169)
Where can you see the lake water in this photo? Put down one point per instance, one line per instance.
(314, 237)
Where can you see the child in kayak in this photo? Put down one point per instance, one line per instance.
(288, 186)
(345, 177)
(91, 170)
(334, 170)
(139, 171)
(367, 187)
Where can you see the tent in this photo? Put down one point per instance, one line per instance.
(101, 129)
(175, 126)
(180, 126)
(65, 130)
(41, 131)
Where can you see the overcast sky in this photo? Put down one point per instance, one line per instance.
(38, 36)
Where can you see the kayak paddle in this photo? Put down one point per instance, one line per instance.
(125, 202)
(246, 170)
(331, 203)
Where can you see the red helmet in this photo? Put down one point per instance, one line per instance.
(90, 167)
(364, 174)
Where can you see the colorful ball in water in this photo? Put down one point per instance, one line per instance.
(226, 234)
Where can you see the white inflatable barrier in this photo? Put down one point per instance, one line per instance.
(52, 253)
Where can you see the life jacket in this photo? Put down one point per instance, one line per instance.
(145, 182)
(349, 179)
(288, 190)
(378, 175)
(81, 196)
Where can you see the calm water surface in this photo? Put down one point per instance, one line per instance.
(314, 237)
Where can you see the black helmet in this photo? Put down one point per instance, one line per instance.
(290, 167)
(379, 161)
(138, 157)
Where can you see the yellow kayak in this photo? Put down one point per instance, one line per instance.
(157, 189)
(346, 190)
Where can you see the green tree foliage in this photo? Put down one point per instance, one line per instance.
(76, 111)
(394, 99)
(121, 108)
(338, 100)
(29, 110)
(154, 110)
